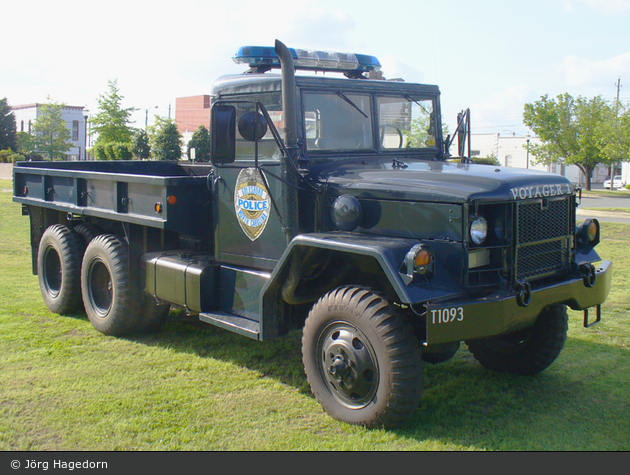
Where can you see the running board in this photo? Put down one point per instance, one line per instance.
(234, 323)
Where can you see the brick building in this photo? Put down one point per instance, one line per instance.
(191, 112)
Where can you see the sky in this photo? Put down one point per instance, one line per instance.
(489, 56)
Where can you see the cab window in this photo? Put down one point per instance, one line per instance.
(337, 121)
(406, 122)
(267, 146)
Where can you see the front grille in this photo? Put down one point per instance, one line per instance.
(544, 231)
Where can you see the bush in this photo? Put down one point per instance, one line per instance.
(489, 160)
(16, 157)
(113, 151)
(123, 151)
(98, 151)
(9, 156)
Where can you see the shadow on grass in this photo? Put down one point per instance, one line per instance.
(570, 406)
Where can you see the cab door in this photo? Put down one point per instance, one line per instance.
(248, 193)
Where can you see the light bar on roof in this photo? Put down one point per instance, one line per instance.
(264, 58)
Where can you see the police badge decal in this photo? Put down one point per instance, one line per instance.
(251, 202)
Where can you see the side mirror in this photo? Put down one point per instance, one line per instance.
(223, 135)
(252, 126)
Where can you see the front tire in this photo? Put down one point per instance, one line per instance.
(525, 352)
(59, 269)
(110, 303)
(362, 362)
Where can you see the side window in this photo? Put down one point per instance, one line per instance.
(267, 146)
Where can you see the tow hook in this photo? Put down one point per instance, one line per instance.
(598, 317)
(523, 293)
(588, 274)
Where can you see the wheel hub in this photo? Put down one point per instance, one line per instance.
(340, 368)
(348, 365)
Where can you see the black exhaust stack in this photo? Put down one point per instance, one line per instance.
(289, 172)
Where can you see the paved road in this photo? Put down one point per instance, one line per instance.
(621, 201)
(6, 171)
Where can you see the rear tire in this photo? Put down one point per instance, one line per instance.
(525, 352)
(59, 269)
(361, 360)
(110, 303)
(87, 232)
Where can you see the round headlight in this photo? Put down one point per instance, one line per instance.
(346, 213)
(478, 230)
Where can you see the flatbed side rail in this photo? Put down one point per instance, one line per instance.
(166, 202)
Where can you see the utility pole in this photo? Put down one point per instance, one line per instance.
(612, 165)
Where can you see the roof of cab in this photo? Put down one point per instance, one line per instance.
(262, 83)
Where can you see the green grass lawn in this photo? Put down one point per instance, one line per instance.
(64, 386)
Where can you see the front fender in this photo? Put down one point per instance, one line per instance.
(384, 253)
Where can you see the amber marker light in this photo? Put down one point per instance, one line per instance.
(588, 233)
(421, 261)
(593, 228)
(172, 199)
(158, 207)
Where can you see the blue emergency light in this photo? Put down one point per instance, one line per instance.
(264, 58)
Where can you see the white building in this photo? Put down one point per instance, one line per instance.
(511, 151)
(75, 117)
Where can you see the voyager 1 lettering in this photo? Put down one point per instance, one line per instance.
(541, 191)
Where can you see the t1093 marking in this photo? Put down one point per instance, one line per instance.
(447, 315)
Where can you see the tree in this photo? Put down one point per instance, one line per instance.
(165, 139)
(50, 131)
(200, 141)
(141, 147)
(615, 134)
(576, 130)
(25, 143)
(111, 122)
(8, 138)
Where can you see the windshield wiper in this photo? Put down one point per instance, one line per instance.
(345, 98)
(411, 99)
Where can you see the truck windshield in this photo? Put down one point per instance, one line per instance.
(343, 121)
(406, 122)
(338, 121)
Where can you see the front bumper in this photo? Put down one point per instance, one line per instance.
(500, 313)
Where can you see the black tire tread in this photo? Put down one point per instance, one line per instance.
(86, 231)
(542, 348)
(401, 346)
(123, 316)
(69, 248)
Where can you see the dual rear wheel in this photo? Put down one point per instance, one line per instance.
(82, 268)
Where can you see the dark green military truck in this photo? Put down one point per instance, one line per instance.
(330, 205)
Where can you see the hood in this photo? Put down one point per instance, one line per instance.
(421, 180)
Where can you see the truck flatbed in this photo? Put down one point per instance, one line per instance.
(138, 192)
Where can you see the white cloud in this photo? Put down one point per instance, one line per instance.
(393, 67)
(583, 72)
(503, 110)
